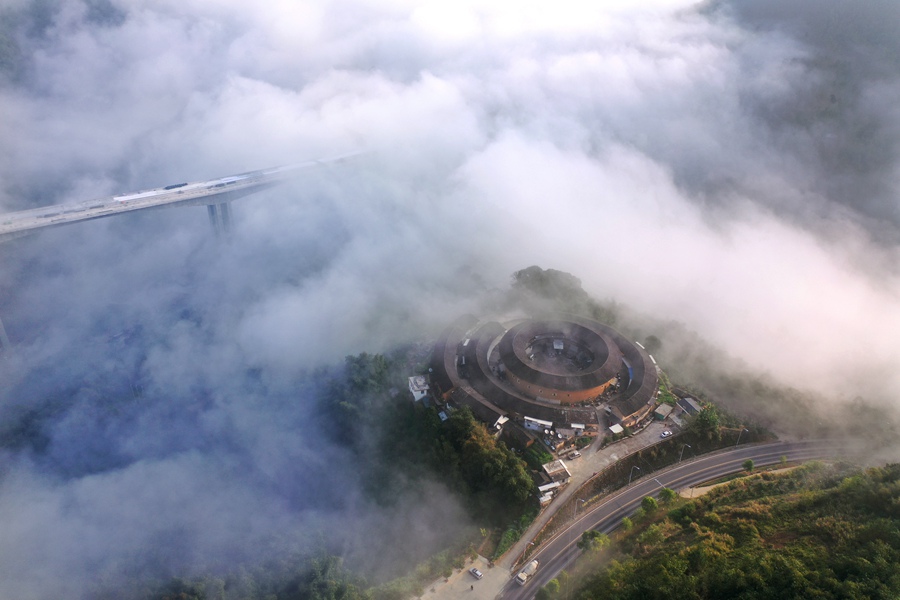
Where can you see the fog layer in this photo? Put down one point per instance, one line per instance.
(733, 166)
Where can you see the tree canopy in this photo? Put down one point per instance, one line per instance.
(667, 495)
(593, 540)
(706, 422)
(497, 479)
(817, 532)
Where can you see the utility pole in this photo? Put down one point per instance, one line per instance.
(575, 513)
(632, 473)
(524, 551)
(680, 456)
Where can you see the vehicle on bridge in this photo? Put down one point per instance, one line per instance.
(526, 573)
(29, 221)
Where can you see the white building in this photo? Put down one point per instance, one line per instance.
(419, 387)
(537, 424)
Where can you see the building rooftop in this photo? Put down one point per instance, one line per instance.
(418, 383)
(663, 410)
(466, 354)
(557, 470)
(689, 405)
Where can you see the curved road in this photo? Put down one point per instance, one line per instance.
(561, 551)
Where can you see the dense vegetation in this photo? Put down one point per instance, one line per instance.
(536, 456)
(492, 481)
(816, 532)
(352, 395)
(411, 442)
(495, 481)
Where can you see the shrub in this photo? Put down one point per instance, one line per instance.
(649, 504)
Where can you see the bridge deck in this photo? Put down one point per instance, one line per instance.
(215, 191)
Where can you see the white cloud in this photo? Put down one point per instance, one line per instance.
(697, 163)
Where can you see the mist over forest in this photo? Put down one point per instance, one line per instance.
(726, 173)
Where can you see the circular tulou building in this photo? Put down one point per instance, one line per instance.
(550, 369)
(560, 361)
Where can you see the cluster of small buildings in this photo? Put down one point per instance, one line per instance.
(555, 475)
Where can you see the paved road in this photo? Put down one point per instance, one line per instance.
(561, 551)
(593, 461)
(223, 189)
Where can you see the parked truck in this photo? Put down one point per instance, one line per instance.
(526, 573)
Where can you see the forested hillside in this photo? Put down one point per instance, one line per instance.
(401, 442)
(816, 532)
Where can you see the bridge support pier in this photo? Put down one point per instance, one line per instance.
(225, 216)
(5, 346)
(220, 217)
(213, 217)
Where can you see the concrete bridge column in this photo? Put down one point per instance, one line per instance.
(225, 216)
(5, 346)
(220, 217)
(213, 217)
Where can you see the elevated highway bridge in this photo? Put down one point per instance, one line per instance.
(215, 194)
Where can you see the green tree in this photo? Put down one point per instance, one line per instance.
(748, 465)
(706, 423)
(553, 586)
(350, 395)
(563, 578)
(627, 523)
(367, 372)
(649, 504)
(593, 540)
(667, 495)
(652, 536)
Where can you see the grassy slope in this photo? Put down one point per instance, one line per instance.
(816, 532)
